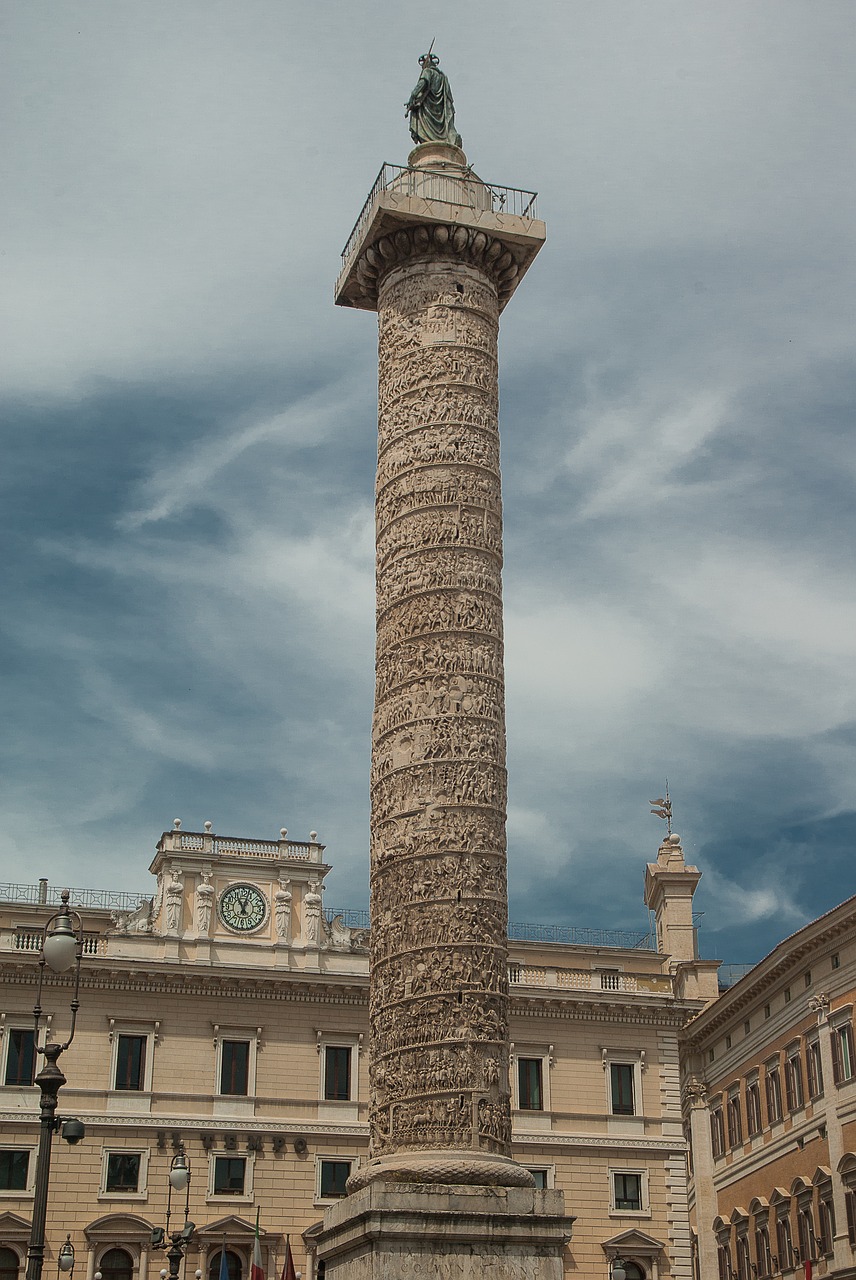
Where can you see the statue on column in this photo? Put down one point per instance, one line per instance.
(430, 106)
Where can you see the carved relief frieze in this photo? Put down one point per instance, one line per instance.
(449, 655)
(439, 1075)
(463, 526)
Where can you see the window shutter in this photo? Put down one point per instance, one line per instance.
(836, 1055)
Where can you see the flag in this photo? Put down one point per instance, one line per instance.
(224, 1263)
(288, 1272)
(808, 1269)
(257, 1271)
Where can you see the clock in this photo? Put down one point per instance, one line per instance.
(242, 907)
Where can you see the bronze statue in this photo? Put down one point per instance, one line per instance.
(430, 106)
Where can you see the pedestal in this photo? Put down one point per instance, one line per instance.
(410, 1231)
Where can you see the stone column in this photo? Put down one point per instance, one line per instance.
(440, 1107)
(437, 255)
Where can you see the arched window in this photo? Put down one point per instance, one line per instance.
(233, 1263)
(116, 1264)
(10, 1264)
(632, 1271)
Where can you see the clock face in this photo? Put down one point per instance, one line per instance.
(242, 907)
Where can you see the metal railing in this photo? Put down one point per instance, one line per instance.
(730, 973)
(633, 939)
(449, 188)
(44, 895)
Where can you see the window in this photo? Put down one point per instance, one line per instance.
(621, 1090)
(130, 1063)
(332, 1176)
(808, 978)
(793, 1080)
(743, 1264)
(235, 1067)
(20, 1057)
(627, 1192)
(842, 1052)
(723, 1259)
(753, 1108)
(230, 1174)
(122, 1174)
(117, 1264)
(767, 1011)
(850, 1202)
(784, 1245)
(233, 1265)
(787, 995)
(717, 1132)
(543, 1177)
(826, 1221)
(14, 1168)
(762, 1250)
(10, 1264)
(530, 1091)
(735, 1120)
(774, 1094)
(814, 1070)
(728, 1042)
(805, 1230)
(836, 961)
(337, 1073)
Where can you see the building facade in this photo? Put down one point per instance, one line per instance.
(228, 1015)
(769, 1088)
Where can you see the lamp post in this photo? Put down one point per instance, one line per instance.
(62, 947)
(619, 1271)
(175, 1242)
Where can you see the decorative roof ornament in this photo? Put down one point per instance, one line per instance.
(430, 107)
(664, 809)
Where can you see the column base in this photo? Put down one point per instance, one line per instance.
(411, 1231)
(449, 1168)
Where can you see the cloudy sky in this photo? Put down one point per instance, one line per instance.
(189, 436)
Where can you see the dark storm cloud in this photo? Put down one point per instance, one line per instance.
(189, 437)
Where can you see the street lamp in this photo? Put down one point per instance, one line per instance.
(65, 1261)
(619, 1271)
(179, 1180)
(62, 947)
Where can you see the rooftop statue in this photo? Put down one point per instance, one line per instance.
(430, 106)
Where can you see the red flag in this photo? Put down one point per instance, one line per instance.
(288, 1272)
(257, 1271)
(808, 1269)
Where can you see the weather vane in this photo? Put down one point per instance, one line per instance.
(664, 808)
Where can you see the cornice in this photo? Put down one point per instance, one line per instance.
(164, 1123)
(770, 971)
(656, 1146)
(644, 1013)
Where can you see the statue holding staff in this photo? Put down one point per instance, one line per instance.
(430, 107)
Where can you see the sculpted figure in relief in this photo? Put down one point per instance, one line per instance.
(174, 892)
(282, 911)
(204, 899)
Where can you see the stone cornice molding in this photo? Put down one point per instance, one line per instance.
(787, 956)
(645, 1014)
(193, 1124)
(489, 254)
(675, 1146)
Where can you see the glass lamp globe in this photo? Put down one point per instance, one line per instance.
(60, 945)
(65, 1261)
(179, 1174)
